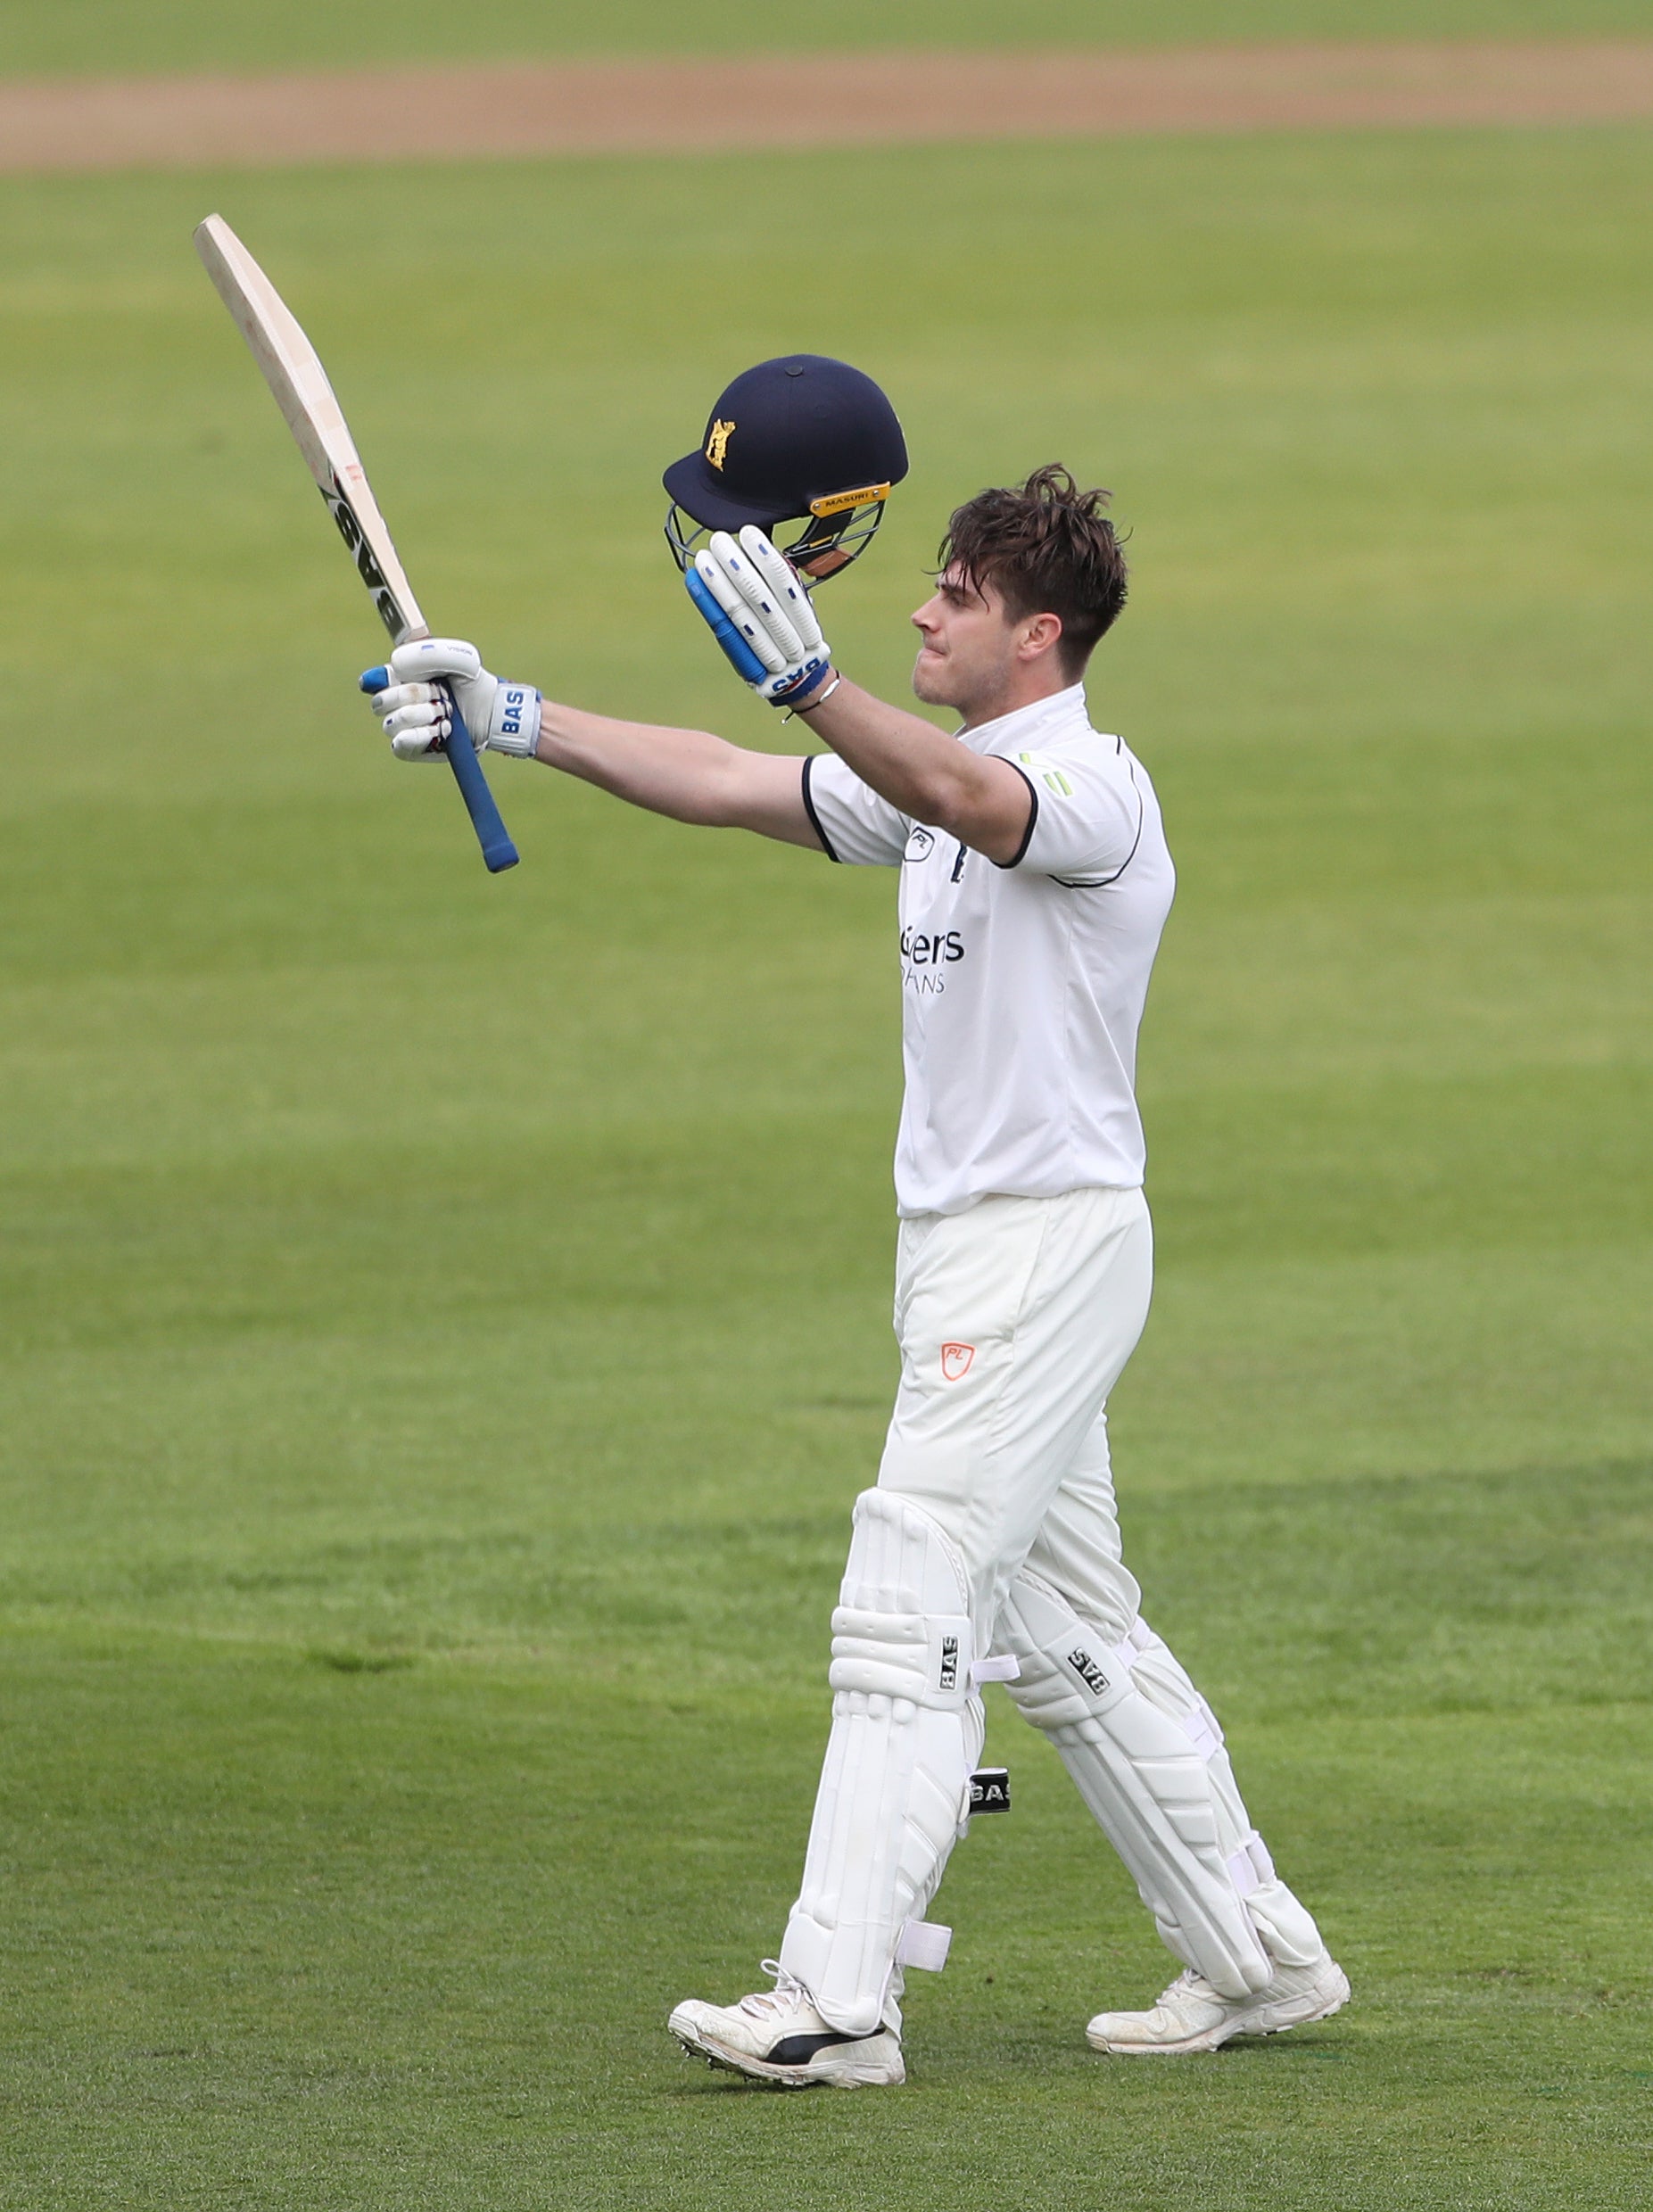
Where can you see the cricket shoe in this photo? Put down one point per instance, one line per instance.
(777, 2037)
(1192, 2016)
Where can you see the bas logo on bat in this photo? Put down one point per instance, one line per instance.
(367, 568)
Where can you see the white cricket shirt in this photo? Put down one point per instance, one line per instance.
(1023, 986)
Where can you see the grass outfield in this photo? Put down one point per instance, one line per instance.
(445, 1319)
(147, 35)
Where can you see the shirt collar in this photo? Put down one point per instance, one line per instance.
(1062, 707)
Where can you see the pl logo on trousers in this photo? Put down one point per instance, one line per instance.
(955, 1360)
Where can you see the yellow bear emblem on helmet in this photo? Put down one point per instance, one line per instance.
(717, 442)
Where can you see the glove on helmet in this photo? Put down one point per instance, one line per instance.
(802, 438)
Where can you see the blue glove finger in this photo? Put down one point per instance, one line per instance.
(374, 681)
(741, 658)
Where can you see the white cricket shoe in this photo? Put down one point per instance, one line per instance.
(777, 2037)
(1193, 2015)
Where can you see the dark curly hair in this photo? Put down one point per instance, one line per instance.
(1047, 549)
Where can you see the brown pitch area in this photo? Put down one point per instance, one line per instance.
(584, 107)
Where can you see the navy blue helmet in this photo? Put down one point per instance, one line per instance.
(801, 438)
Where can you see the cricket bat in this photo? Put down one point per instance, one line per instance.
(294, 374)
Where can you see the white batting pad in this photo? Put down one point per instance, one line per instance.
(1144, 1778)
(895, 1786)
(1285, 1924)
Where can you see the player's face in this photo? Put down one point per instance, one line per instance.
(969, 649)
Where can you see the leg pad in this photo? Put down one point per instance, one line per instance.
(895, 1786)
(1144, 1778)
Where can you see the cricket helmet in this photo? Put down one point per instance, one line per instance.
(801, 438)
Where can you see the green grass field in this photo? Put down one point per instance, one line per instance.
(39, 37)
(445, 1319)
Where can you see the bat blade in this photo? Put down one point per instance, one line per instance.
(293, 370)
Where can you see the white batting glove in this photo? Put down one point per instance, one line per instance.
(776, 642)
(412, 701)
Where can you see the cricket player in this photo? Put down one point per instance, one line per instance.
(1034, 882)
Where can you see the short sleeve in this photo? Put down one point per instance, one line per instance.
(849, 818)
(1087, 812)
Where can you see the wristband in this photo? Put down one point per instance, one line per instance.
(809, 706)
(782, 689)
(514, 725)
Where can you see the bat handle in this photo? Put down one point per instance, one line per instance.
(463, 758)
(465, 762)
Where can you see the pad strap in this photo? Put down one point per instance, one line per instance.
(923, 1945)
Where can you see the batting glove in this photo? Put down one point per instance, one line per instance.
(413, 698)
(759, 613)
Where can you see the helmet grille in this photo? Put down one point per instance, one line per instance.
(825, 546)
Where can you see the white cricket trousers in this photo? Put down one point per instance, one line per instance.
(991, 1539)
(1015, 1319)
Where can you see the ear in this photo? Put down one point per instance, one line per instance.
(1038, 636)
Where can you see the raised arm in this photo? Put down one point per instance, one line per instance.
(762, 618)
(687, 774)
(984, 802)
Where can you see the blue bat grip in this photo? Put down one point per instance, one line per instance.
(744, 661)
(465, 762)
(491, 834)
